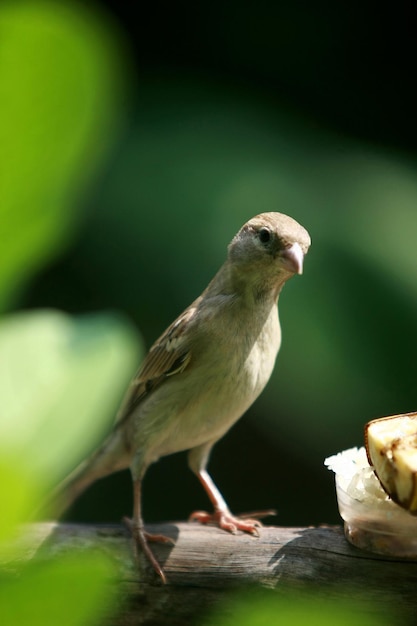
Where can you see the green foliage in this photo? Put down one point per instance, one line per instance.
(61, 379)
(75, 590)
(60, 383)
(58, 89)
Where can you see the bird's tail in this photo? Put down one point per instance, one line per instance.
(110, 457)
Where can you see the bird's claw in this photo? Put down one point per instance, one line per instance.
(148, 536)
(231, 523)
(159, 538)
(140, 543)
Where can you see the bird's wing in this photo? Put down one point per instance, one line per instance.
(168, 356)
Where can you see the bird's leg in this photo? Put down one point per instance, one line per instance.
(139, 535)
(222, 516)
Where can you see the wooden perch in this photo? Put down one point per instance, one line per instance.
(205, 564)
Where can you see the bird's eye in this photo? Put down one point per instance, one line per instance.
(264, 235)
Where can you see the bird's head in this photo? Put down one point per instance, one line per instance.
(271, 245)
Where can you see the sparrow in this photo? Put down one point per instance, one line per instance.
(203, 373)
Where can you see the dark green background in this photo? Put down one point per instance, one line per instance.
(232, 109)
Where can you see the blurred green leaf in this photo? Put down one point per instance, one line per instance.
(20, 491)
(71, 591)
(59, 83)
(61, 381)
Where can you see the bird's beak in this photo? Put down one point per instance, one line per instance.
(293, 258)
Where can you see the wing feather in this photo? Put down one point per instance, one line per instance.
(168, 356)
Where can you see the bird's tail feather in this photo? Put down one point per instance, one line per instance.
(110, 457)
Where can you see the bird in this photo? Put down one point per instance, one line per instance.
(202, 374)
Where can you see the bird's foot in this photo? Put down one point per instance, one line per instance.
(248, 523)
(140, 542)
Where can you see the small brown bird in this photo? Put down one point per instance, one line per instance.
(204, 372)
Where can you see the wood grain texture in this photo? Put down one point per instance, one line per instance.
(205, 565)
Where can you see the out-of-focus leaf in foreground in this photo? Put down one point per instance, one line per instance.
(61, 381)
(72, 591)
(59, 83)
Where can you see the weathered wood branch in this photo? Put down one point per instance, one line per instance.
(205, 564)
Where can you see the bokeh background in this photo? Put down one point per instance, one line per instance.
(224, 110)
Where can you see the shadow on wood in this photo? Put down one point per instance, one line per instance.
(207, 564)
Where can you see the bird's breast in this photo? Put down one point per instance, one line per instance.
(237, 374)
(222, 381)
(260, 362)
